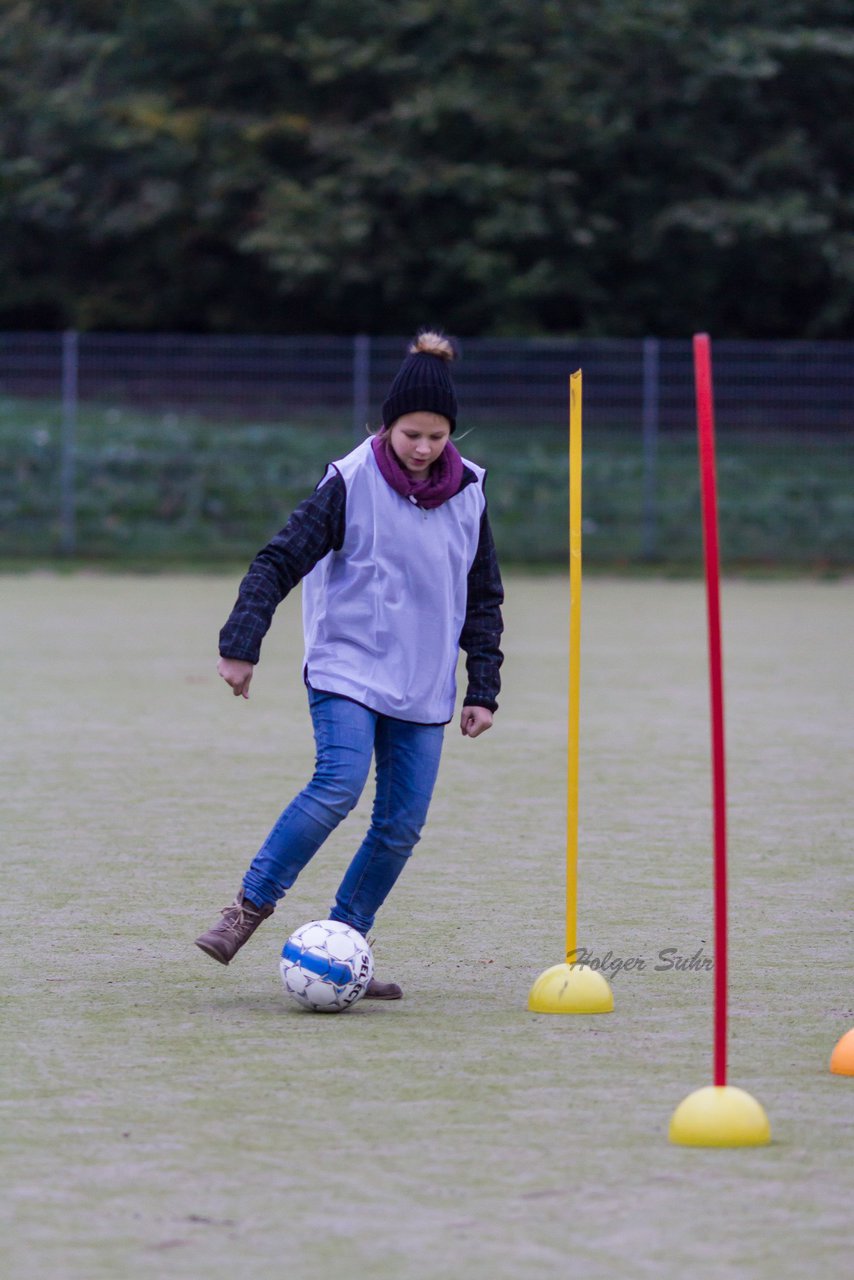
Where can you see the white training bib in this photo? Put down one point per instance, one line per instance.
(382, 617)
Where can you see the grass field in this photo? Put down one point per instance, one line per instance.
(166, 1117)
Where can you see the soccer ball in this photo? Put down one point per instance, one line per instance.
(326, 966)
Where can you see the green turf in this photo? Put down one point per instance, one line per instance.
(166, 1117)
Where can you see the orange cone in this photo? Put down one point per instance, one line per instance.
(842, 1058)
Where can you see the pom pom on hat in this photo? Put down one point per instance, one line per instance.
(423, 382)
(430, 343)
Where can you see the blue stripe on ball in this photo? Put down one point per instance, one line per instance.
(334, 971)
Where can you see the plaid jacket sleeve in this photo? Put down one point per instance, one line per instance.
(481, 633)
(314, 529)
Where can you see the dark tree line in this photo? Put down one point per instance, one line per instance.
(618, 167)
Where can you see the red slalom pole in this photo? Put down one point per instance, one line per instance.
(719, 1115)
(708, 491)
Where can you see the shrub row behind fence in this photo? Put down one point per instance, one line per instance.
(169, 449)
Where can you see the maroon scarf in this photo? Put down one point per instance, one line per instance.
(441, 482)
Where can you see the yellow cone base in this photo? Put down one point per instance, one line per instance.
(720, 1116)
(842, 1058)
(570, 988)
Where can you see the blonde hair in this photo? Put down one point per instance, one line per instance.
(430, 343)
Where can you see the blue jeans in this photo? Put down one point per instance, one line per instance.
(347, 735)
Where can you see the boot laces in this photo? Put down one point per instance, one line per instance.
(236, 916)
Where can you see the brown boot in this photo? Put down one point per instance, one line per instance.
(382, 991)
(238, 923)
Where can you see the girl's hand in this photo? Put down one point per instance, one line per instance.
(236, 673)
(474, 721)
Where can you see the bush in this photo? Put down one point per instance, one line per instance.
(168, 488)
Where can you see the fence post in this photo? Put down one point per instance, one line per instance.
(68, 445)
(650, 447)
(361, 384)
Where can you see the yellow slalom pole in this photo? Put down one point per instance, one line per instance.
(572, 987)
(575, 388)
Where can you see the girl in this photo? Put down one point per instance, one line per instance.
(399, 572)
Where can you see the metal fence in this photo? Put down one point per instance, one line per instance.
(797, 386)
(637, 393)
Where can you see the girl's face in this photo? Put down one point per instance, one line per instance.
(418, 439)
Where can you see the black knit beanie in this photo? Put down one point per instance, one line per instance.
(423, 382)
